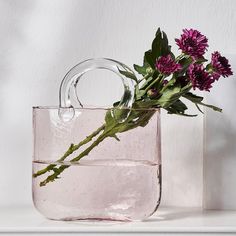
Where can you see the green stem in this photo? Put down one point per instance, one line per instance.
(145, 77)
(144, 117)
(150, 85)
(70, 150)
(59, 170)
(180, 57)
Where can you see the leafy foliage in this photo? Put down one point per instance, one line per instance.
(159, 48)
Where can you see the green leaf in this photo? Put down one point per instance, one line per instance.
(160, 45)
(170, 95)
(141, 69)
(139, 94)
(120, 114)
(193, 98)
(115, 137)
(198, 100)
(172, 111)
(201, 60)
(159, 48)
(156, 44)
(115, 104)
(150, 58)
(211, 106)
(109, 119)
(179, 106)
(199, 108)
(144, 121)
(128, 74)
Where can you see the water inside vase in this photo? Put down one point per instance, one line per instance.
(105, 189)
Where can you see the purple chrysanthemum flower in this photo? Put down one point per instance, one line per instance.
(220, 66)
(215, 75)
(193, 43)
(199, 77)
(166, 65)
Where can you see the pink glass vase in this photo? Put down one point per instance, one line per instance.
(118, 179)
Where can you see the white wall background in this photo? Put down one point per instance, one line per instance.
(41, 40)
(220, 148)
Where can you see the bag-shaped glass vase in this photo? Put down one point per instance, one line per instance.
(81, 172)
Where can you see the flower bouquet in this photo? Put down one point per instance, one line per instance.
(164, 81)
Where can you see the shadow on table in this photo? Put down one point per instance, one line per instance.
(174, 214)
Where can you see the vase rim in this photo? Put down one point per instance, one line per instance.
(91, 108)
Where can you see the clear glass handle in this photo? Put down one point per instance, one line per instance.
(69, 83)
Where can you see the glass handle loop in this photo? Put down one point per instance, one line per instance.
(68, 91)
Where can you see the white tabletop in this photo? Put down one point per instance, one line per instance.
(166, 220)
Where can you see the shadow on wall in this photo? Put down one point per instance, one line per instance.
(220, 145)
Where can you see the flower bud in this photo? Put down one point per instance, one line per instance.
(149, 70)
(165, 82)
(152, 93)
